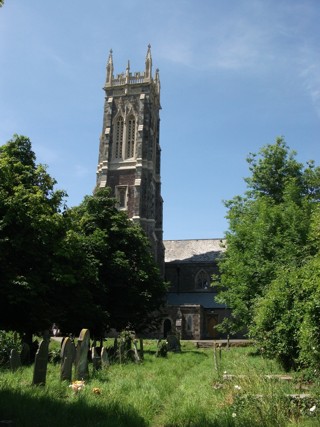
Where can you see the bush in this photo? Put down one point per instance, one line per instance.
(8, 341)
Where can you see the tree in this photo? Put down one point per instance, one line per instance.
(129, 285)
(87, 266)
(31, 227)
(286, 320)
(268, 227)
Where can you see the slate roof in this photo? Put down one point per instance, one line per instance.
(193, 298)
(196, 250)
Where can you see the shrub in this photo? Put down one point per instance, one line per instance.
(8, 341)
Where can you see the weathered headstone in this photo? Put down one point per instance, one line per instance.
(82, 370)
(136, 353)
(173, 343)
(67, 359)
(96, 360)
(41, 362)
(25, 354)
(104, 358)
(15, 361)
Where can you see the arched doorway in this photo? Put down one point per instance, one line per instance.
(167, 326)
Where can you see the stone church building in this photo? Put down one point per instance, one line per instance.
(129, 163)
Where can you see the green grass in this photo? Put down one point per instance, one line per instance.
(180, 390)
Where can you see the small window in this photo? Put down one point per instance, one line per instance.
(202, 280)
(121, 196)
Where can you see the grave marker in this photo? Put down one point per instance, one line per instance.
(82, 370)
(15, 361)
(67, 359)
(41, 362)
(104, 358)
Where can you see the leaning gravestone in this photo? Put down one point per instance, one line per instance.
(82, 370)
(67, 359)
(173, 343)
(41, 362)
(15, 361)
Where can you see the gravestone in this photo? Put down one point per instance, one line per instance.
(15, 361)
(96, 360)
(81, 368)
(173, 344)
(141, 349)
(136, 353)
(67, 359)
(41, 362)
(104, 358)
(25, 354)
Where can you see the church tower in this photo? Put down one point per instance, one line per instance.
(129, 153)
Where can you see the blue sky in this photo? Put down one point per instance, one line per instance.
(235, 74)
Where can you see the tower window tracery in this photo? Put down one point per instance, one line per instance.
(131, 127)
(119, 138)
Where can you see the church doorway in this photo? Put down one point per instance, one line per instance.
(212, 321)
(167, 326)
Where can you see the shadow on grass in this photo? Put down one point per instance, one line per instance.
(39, 411)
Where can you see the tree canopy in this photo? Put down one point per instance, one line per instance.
(129, 285)
(31, 226)
(270, 234)
(86, 266)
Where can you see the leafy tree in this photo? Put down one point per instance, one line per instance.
(268, 227)
(129, 286)
(87, 266)
(31, 226)
(287, 319)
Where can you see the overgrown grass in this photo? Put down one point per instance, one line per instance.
(180, 390)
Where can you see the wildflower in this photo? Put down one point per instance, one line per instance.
(237, 387)
(313, 408)
(77, 386)
(234, 415)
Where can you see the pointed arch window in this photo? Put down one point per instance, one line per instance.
(202, 280)
(131, 130)
(118, 138)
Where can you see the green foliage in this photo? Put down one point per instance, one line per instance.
(88, 265)
(128, 285)
(31, 226)
(267, 273)
(8, 341)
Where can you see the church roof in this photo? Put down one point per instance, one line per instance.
(195, 250)
(207, 300)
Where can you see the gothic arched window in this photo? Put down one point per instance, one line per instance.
(118, 138)
(202, 280)
(131, 125)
